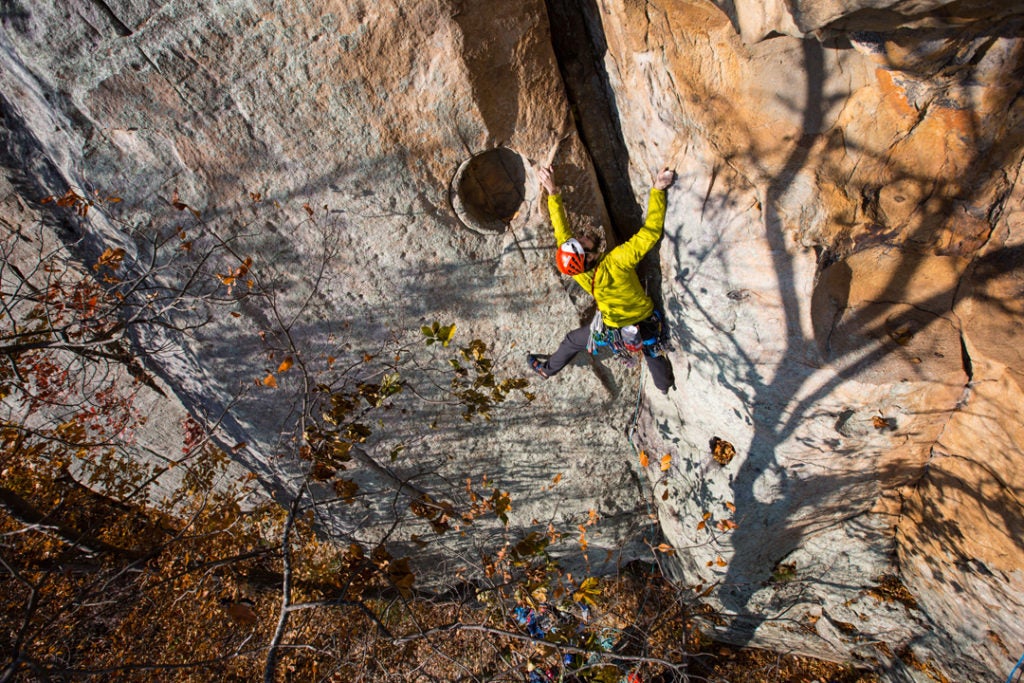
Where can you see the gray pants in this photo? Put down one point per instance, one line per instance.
(576, 341)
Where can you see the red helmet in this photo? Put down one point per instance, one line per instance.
(570, 257)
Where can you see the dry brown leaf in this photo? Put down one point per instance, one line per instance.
(883, 422)
(722, 451)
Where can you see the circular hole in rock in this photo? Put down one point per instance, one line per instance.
(489, 189)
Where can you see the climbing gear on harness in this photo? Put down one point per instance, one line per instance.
(627, 342)
(570, 257)
(537, 365)
(630, 335)
(597, 330)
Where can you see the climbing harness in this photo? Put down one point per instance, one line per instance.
(648, 336)
(627, 343)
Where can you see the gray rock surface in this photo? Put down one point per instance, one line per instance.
(840, 270)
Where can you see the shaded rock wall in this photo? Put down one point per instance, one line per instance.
(377, 117)
(841, 267)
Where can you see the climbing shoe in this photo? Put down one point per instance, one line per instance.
(537, 365)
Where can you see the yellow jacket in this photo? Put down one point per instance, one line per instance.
(613, 282)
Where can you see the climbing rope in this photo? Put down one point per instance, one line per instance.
(651, 535)
(1016, 668)
(631, 429)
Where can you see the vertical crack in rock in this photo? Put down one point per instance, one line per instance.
(578, 40)
(577, 37)
(965, 356)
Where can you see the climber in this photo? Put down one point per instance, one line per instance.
(622, 304)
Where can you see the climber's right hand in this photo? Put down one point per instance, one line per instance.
(665, 178)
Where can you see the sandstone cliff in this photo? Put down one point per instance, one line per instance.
(841, 267)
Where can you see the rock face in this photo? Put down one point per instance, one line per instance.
(393, 153)
(825, 274)
(841, 269)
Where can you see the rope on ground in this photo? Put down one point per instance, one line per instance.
(1016, 668)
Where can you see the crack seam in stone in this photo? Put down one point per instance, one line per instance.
(120, 27)
(910, 305)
